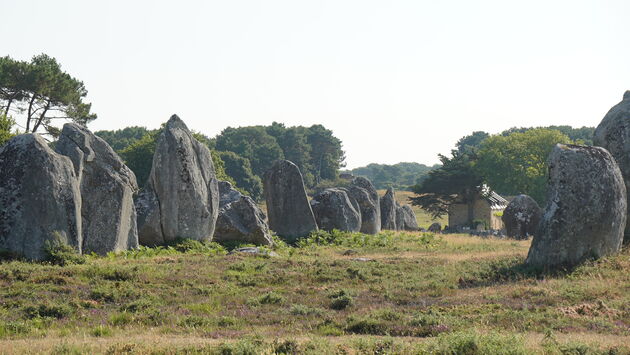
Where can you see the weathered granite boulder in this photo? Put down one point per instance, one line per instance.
(362, 190)
(107, 186)
(585, 214)
(406, 218)
(521, 217)
(40, 199)
(334, 209)
(613, 133)
(290, 214)
(435, 227)
(240, 219)
(388, 210)
(181, 199)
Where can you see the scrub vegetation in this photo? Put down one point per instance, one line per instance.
(345, 293)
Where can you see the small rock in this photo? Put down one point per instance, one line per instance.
(254, 251)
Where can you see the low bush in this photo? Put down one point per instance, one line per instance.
(59, 253)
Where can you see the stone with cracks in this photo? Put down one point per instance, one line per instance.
(107, 186)
(40, 199)
(521, 217)
(290, 214)
(585, 214)
(181, 199)
(613, 133)
(388, 210)
(240, 219)
(362, 190)
(334, 209)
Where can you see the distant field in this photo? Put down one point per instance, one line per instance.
(393, 293)
(423, 218)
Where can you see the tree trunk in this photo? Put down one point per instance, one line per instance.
(28, 117)
(41, 117)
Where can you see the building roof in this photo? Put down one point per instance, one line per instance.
(496, 201)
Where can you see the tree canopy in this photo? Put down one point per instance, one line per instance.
(517, 163)
(315, 149)
(40, 91)
(455, 180)
(239, 169)
(400, 176)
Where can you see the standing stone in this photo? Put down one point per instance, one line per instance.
(362, 190)
(400, 217)
(521, 217)
(181, 199)
(107, 187)
(388, 210)
(406, 218)
(240, 219)
(613, 133)
(435, 227)
(290, 214)
(334, 209)
(40, 199)
(586, 208)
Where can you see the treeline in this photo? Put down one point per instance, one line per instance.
(243, 154)
(512, 162)
(401, 176)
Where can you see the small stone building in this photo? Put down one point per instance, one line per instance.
(487, 208)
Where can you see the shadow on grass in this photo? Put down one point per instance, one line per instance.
(507, 270)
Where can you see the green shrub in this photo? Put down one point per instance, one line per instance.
(301, 310)
(368, 325)
(120, 319)
(58, 252)
(194, 322)
(57, 311)
(287, 347)
(267, 298)
(101, 331)
(340, 300)
(194, 246)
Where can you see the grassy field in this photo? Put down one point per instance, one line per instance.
(334, 293)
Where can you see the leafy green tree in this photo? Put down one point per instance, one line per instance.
(139, 156)
(6, 128)
(400, 176)
(252, 143)
(122, 138)
(517, 163)
(327, 157)
(295, 147)
(42, 92)
(455, 181)
(240, 170)
(582, 135)
(471, 142)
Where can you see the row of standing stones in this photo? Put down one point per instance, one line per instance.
(82, 193)
(356, 208)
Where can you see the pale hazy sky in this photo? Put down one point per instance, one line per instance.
(395, 80)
